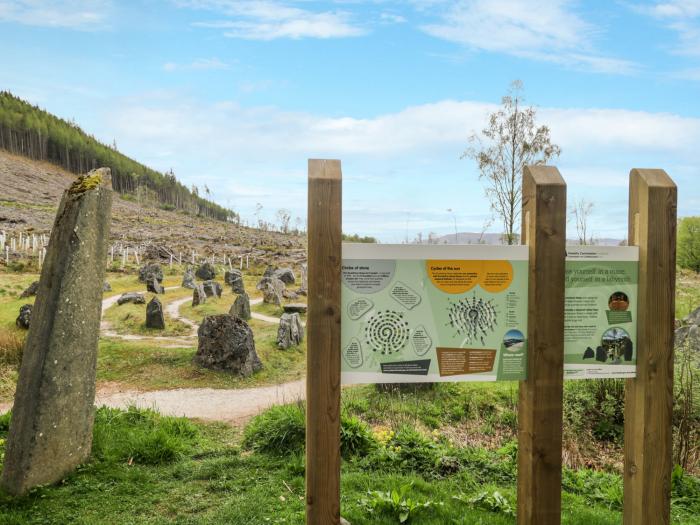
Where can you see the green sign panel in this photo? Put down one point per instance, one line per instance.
(600, 333)
(431, 313)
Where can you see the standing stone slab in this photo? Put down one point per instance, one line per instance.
(154, 314)
(52, 419)
(199, 296)
(151, 271)
(212, 288)
(153, 286)
(206, 272)
(290, 332)
(188, 280)
(241, 307)
(234, 279)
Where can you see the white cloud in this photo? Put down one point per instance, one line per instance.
(270, 20)
(201, 64)
(681, 16)
(536, 29)
(441, 126)
(258, 154)
(88, 15)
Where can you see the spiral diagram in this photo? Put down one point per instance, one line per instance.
(473, 318)
(386, 332)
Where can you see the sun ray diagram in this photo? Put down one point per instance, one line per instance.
(474, 318)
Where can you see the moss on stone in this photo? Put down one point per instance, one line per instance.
(85, 183)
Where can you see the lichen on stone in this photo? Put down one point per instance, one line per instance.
(85, 183)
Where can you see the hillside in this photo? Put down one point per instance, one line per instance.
(30, 191)
(30, 131)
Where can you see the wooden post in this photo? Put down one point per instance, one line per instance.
(649, 396)
(540, 395)
(323, 344)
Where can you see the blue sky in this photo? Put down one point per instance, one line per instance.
(238, 95)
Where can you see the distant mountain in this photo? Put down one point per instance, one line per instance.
(497, 238)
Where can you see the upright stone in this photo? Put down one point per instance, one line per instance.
(212, 288)
(290, 332)
(235, 280)
(52, 419)
(286, 275)
(154, 314)
(199, 296)
(206, 272)
(153, 286)
(188, 280)
(241, 307)
(149, 271)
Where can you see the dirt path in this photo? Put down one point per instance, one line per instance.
(231, 406)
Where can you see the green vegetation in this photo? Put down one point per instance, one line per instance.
(356, 238)
(153, 469)
(689, 243)
(30, 131)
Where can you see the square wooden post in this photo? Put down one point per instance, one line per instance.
(323, 344)
(649, 396)
(540, 395)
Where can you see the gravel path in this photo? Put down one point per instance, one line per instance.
(232, 406)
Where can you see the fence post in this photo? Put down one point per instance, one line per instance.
(323, 344)
(649, 396)
(540, 395)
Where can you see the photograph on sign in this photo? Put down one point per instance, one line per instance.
(430, 313)
(600, 320)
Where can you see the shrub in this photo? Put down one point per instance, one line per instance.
(355, 436)
(279, 430)
(596, 407)
(141, 436)
(688, 244)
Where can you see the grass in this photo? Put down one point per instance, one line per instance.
(150, 469)
(687, 292)
(131, 318)
(145, 366)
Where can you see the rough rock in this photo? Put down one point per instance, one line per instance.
(24, 317)
(199, 296)
(131, 297)
(150, 270)
(272, 290)
(234, 279)
(54, 407)
(269, 271)
(241, 307)
(206, 272)
(212, 288)
(289, 294)
(226, 344)
(299, 308)
(688, 333)
(153, 286)
(154, 314)
(286, 275)
(188, 280)
(106, 287)
(290, 332)
(30, 291)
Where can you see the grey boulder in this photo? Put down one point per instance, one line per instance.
(149, 271)
(24, 317)
(199, 296)
(212, 288)
(226, 344)
(206, 272)
(30, 291)
(188, 280)
(131, 297)
(153, 286)
(290, 332)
